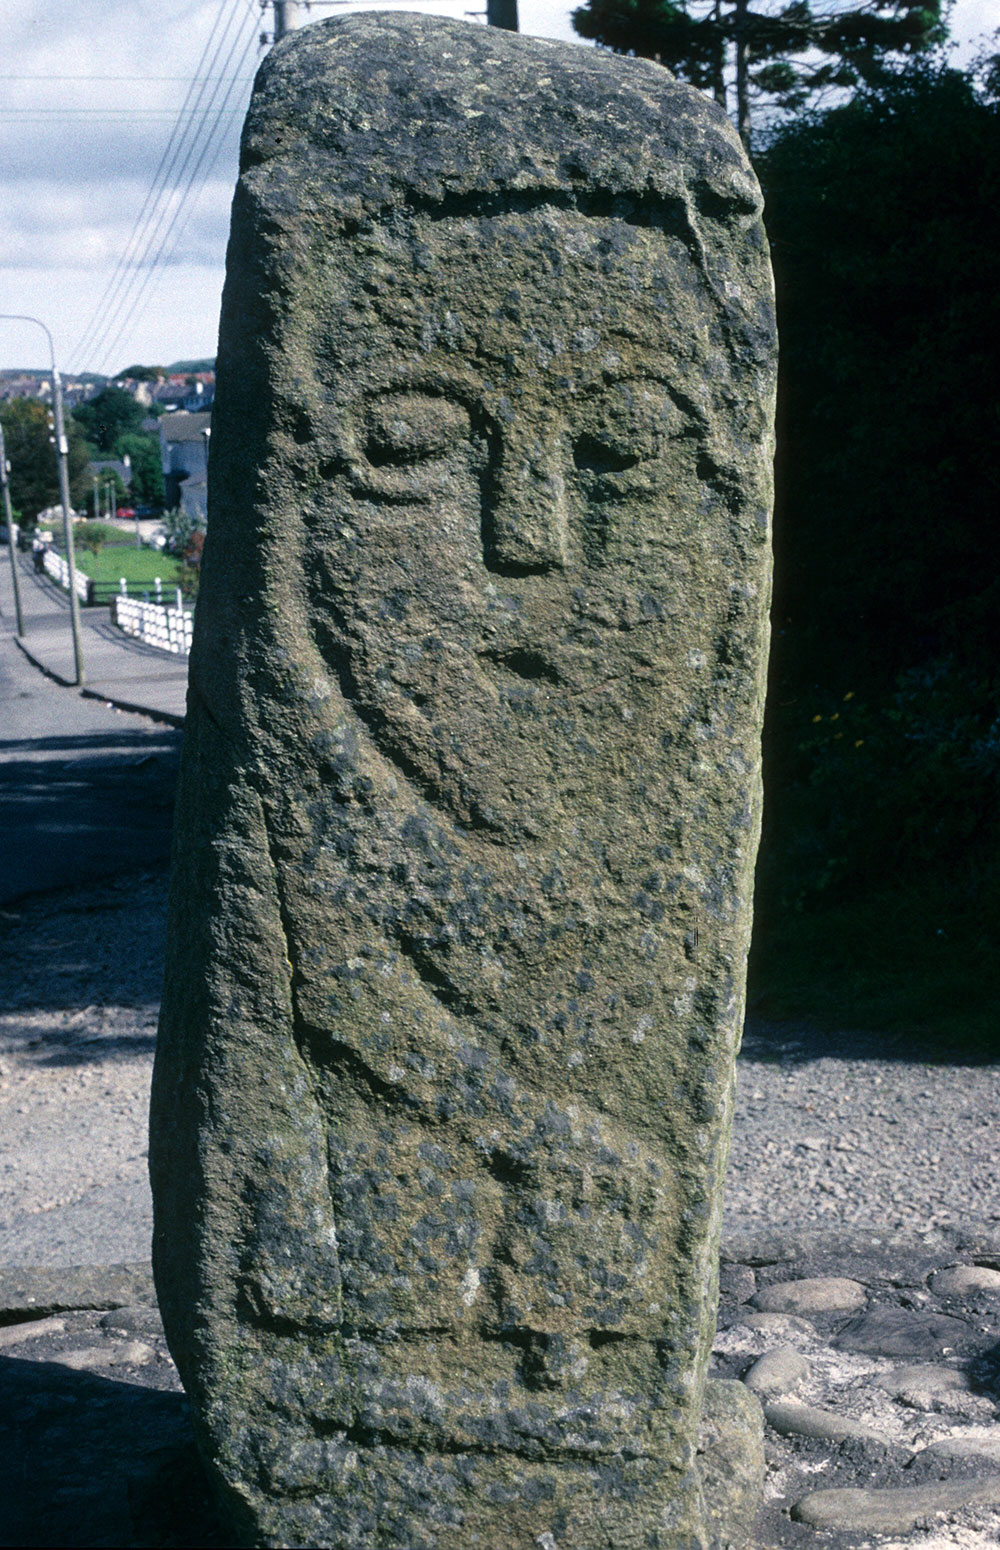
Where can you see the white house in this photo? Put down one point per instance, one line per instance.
(184, 450)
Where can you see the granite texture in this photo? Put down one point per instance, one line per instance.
(469, 799)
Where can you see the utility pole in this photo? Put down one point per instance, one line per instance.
(502, 13)
(63, 448)
(15, 578)
(62, 458)
(285, 19)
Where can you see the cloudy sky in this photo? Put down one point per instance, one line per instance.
(116, 172)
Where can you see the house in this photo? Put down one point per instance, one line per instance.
(184, 451)
(104, 494)
(193, 392)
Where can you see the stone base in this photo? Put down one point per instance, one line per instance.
(393, 1498)
(731, 1464)
(347, 1492)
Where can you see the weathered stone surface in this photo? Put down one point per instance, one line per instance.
(782, 1371)
(969, 1445)
(937, 1390)
(40, 1329)
(32, 1292)
(131, 1353)
(980, 1445)
(793, 1419)
(731, 1464)
(780, 1324)
(966, 1280)
(927, 1380)
(817, 1294)
(892, 1511)
(469, 802)
(908, 1332)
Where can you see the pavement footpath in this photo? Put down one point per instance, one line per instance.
(117, 668)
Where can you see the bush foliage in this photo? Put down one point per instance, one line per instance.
(882, 746)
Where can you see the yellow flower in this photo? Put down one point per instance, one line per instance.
(849, 695)
(859, 742)
(835, 716)
(817, 718)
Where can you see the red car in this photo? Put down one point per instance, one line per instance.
(125, 511)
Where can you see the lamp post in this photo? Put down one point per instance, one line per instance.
(62, 449)
(206, 437)
(15, 578)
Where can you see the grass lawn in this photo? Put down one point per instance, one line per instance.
(140, 567)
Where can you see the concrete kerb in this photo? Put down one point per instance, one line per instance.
(165, 716)
(108, 698)
(124, 673)
(50, 672)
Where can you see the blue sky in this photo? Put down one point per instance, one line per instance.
(89, 93)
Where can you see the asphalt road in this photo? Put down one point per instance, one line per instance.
(86, 804)
(86, 791)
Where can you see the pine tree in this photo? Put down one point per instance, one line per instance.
(754, 52)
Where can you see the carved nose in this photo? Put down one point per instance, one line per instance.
(526, 526)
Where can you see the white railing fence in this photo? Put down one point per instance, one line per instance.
(56, 567)
(167, 628)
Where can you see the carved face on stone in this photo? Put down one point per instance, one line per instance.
(518, 490)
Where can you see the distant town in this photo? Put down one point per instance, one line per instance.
(138, 440)
(186, 385)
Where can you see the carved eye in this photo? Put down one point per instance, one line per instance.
(629, 426)
(603, 454)
(410, 427)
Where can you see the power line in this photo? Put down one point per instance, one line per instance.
(91, 112)
(131, 78)
(152, 196)
(213, 144)
(154, 222)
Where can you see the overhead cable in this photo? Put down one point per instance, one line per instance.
(212, 146)
(156, 207)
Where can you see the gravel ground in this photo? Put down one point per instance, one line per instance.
(856, 1138)
(823, 1146)
(80, 974)
(821, 1141)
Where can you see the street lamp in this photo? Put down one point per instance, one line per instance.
(206, 437)
(62, 447)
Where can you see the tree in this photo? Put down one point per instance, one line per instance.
(109, 414)
(143, 373)
(34, 470)
(882, 740)
(110, 478)
(782, 52)
(143, 451)
(91, 536)
(181, 527)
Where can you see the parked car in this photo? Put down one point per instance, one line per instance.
(125, 511)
